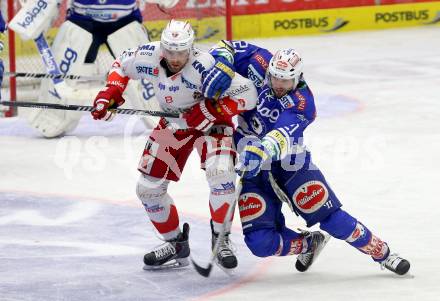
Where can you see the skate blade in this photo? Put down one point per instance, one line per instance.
(229, 272)
(173, 264)
(317, 252)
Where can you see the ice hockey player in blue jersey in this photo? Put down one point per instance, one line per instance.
(276, 166)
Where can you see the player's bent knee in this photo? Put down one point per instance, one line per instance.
(262, 243)
(220, 169)
(151, 190)
(339, 224)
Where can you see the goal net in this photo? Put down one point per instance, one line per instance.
(209, 19)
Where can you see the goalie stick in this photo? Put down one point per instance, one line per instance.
(206, 271)
(53, 76)
(42, 105)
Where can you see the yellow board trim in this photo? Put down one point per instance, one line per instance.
(336, 20)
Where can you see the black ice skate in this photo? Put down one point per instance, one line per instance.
(318, 241)
(225, 256)
(396, 264)
(172, 254)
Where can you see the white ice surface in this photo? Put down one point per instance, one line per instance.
(72, 229)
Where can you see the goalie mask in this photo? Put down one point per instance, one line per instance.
(285, 71)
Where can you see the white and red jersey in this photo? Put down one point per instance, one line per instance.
(176, 93)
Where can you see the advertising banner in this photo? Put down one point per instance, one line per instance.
(336, 20)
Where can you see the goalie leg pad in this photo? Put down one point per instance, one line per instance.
(69, 49)
(159, 205)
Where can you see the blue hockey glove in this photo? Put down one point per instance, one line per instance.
(251, 160)
(218, 79)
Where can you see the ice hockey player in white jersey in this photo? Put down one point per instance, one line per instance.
(175, 68)
(88, 25)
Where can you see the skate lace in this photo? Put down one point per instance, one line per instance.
(392, 261)
(305, 258)
(226, 247)
(164, 251)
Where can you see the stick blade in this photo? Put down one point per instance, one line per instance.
(201, 270)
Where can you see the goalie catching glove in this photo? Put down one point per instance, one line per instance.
(106, 100)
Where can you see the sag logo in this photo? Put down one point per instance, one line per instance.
(32, 13)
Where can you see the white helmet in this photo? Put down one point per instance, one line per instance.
(177, 36)
(286, 64)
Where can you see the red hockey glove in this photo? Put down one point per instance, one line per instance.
(202, 115)
(107, 99)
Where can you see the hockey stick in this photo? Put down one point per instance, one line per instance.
(282, 196)
(206, 271)
(53, 76)
(55, 106)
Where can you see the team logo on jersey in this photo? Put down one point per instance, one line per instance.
(251, 206)
(227, 188)
(198, 66)
(238, 91)
(287, 101)
(310, 196)
(255, 77)
(302, 101)
(261, 61)
(148, 70)
(188, 84)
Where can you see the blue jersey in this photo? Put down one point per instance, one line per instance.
(278, 120)
(102, 11)
(2, 23)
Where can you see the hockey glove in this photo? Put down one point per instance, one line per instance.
(251, 160)
(202, 115)
(106, 100)
(218, 79)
